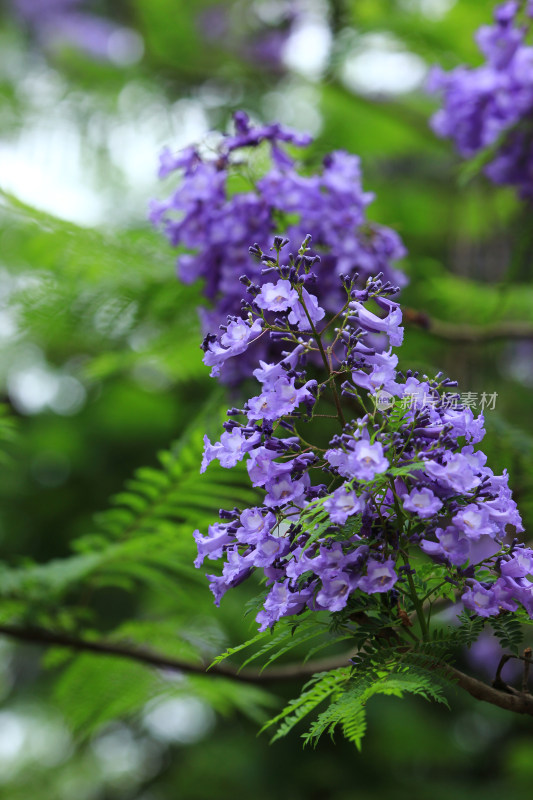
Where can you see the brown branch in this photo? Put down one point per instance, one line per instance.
(463, 333)
(143, 655)
(508, 699)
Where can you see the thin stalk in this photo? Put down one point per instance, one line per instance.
(416, 602)
(318, 340)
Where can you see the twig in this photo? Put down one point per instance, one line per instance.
(498, 681)
(143, 655)
(463, 333)
(517, 702)
(527, 665)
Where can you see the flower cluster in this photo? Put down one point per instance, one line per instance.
(344, 517)
(60, 22)
(491, 106)
(214, 224)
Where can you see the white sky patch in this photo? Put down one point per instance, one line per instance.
(27, 737)
(53, 160)
(379, 65)
(308, 48)
(117, 751)
(433, 9)
(31, 389)
(296, 106)
(181, 719)
(34, 386)
(142, 130)
(42, 168)
(69, 397)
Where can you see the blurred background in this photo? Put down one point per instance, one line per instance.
(100, 369)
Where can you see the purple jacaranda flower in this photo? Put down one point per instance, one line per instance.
(491, 104)
(301, 561)
(64, 22)
(233, 342)
(371, 322)
(501, 506)
(383, 371)
(36, 10)
(169, 162)
(519, 565)
(483, 548)
(499, 43)
(283, 490)
(277, 296)
(268, 550)
(281, 601)
(262, 466)
(456, 473)
(298, 315)
(422, 502)
(474, 520)
(238, 334)
(213, 226)
(515, 589)
(463, 423)
(230, 450)
(330, 559)
(483, 601)
(363, 462)
(335, 591)
(246, 135)
(219, 584)
(212, 546)
(342, 504)
(476, 458)
(295, 538)
(415, 393)
(267, 373)
(507, 595)
(279, 400)
(380, 576)
(452, 545)
(256, 524)
(236, 561)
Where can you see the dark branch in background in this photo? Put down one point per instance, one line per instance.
(143, 655)
(463, 333)
(339, 16)
(506, 697)
(509, 699)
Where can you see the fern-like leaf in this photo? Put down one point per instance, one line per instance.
(315, 692)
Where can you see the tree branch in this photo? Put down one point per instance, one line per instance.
(143, 655)
(463, 333)
(509, 699)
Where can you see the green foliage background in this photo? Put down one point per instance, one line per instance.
(96, 310)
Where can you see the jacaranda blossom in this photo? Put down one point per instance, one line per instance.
(491, 106)
(212, 218)
(355, 514)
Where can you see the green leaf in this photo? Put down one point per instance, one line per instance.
(509, 631)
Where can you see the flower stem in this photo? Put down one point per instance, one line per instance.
(416, 601)
(325, 359)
